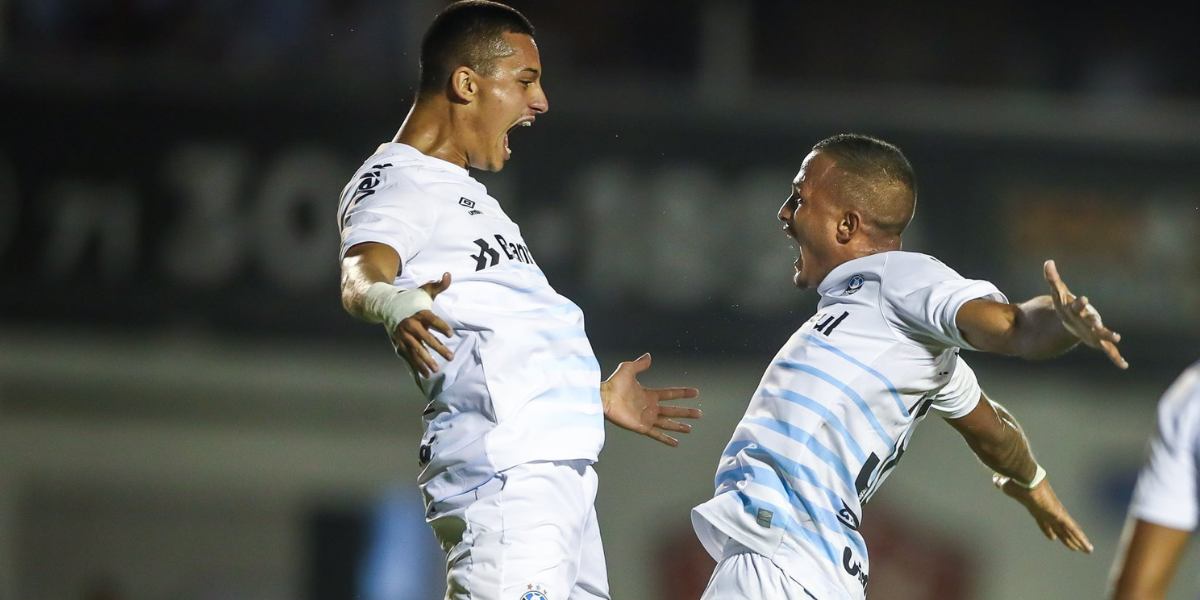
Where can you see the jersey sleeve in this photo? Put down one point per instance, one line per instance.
(1166, 488)
(395, 213)
(921, 298)
(961, 394)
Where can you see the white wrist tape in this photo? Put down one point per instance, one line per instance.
(391, 305)
(1037, 479)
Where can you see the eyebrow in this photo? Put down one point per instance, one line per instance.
(531, 70)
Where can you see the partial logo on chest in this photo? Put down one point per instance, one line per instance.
(488, 257)
(534, 591)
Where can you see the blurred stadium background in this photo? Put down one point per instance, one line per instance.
(186, 413)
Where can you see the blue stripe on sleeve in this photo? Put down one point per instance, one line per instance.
(845, 389)
(891, 388)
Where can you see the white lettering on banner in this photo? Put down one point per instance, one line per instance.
(205, 246)
(9, 206)
(683, 237)
(293, 226)
(88, 217)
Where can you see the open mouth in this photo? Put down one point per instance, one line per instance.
(522, 123)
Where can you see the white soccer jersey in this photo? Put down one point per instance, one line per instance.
(833, 415)
(524, 384)
(1166, 492)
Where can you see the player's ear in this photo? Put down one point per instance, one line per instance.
(464, 84)
(849, 225)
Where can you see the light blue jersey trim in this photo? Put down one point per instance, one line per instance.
(572, 395)
(571, 363)
(781, 519)
(825, 454)
(891, 388)
(565, 308)
(845, 389)
(564, 333)
(769, 478)
(823, 412)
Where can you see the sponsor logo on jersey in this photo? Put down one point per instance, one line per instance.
(534, 591)
(469, 203)
(856, 283)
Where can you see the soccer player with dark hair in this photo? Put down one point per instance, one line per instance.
(516, 406)
(837, 406)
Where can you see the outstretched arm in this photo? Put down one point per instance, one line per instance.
(997, 439)
(1146, 562)
(1040, 328)
(368, 271)
(629, 405)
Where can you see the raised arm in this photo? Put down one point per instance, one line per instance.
(997, 439)
(368, 271)
(1042, 327)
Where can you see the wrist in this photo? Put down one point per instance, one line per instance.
(1038, 477)
(388, 304)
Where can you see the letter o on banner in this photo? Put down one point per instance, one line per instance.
(9, 206)
(295, 227)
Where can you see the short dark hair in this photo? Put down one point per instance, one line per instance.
(886, 186)
(471, 33)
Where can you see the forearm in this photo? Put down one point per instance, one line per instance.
(1038, 332)
(1004, 449)
(357, 277)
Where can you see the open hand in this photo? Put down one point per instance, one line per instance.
(412, 336)
(1082, 319)
(629, 405)
(1049, 513)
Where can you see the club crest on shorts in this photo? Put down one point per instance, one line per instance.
(534, 591)
(856, 283)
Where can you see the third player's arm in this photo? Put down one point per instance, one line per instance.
(994, 435)
(1042, 327)
(1146, 561)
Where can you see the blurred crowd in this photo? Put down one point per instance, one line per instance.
(1023, 45)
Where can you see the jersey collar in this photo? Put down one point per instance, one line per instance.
(836, 278)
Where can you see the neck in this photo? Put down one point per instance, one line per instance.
(430, 128)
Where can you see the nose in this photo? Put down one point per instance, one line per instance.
(788, 210)
(539, 103)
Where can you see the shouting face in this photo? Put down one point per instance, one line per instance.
(508, 97)
(811, 216)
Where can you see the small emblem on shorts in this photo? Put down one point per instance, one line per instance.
(534, 591)
(764, 517)
(856, 284)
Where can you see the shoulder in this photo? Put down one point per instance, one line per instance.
(1179, 408)
(912, 271)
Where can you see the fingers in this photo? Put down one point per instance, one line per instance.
(640, 364)
(1074, 538)
(412, 337)
(1058, 289)
(679, 412)
(669, 425)
(433, 288)
(1110, 350)
(675, 393)
(658, 435)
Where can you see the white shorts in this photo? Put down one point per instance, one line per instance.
(530, 533)
(743, 574)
